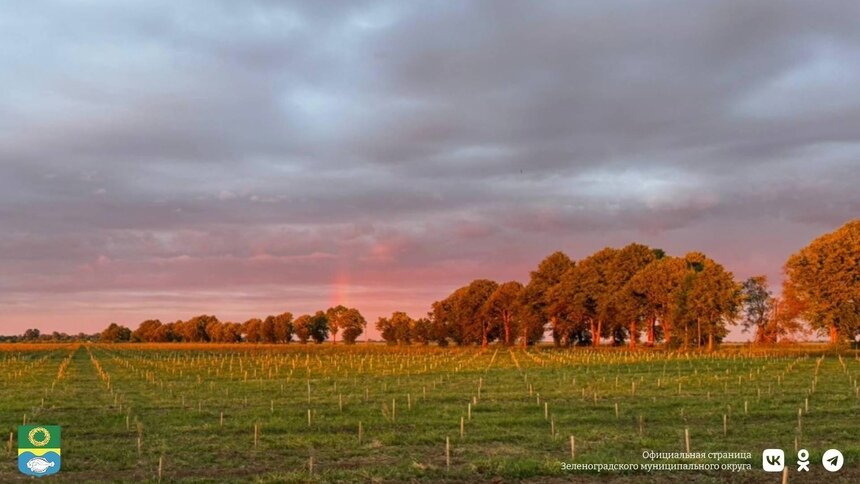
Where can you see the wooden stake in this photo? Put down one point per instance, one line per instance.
(572, 448)
(687, 439)
(447, 453)
(469, 410)
(160, 467)
(725, 424)
(462, 427)
(359, 432)
(222, 419)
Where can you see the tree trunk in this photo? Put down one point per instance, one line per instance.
(710, 341)
(596, 337)
(686, 335)
(834, 334)
(698, 334)
(651, 324)
(553, 321)
(633, 334)
(667, 330)
(507, 321)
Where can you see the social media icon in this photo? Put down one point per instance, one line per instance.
(773, 460)
(803, 460)
(832, 460)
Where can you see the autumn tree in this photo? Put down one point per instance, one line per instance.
(230, 333)
(267, 330)
(396, 329)
(283, 327)
(629, 311)
(352, 323)
(758, 303)
(318, 327)
(824, 279)
(711, 300)
(334, 315)
(115, 333)
(654, 289)
(146, 331)
(252, 329)
(302, 328)
(502, 309)
(422, 331)
(571, 309)
(595, 297)
(194, 330)
(534, 299)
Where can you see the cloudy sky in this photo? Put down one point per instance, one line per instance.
(170, 158)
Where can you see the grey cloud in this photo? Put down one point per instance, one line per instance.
(161, 148)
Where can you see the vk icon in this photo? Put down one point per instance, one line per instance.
(773, 460)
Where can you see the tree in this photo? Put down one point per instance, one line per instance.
(335, 315)
(656, 287)
(572, 308)
(31, 334)
(595, 296)
(318, 327)
(352, 323)
(629, 311)
(422, 331)
(470, 324)
(461, 315)
(397, 329)
(267, 330)
(758, 310)
(115, 334)
(302, 328)
(824, 280)
(146, 331)
(712, 299)
(194, 330)
(283, 327)
(231, 333)
(165, 333)
(535, 301)
(503, 309)
(215, 331)
(252, 329)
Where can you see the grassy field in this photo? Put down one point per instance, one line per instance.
(210, 413)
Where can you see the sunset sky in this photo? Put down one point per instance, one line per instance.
(167, 159)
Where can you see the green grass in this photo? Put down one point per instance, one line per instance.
(173, 397)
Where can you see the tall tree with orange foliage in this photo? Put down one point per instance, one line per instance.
(824, 282)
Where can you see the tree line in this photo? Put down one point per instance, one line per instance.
(630, 295)
(282, 328)
(622, 295)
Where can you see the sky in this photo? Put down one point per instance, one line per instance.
(163, 159)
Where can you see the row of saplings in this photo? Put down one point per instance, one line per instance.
(619, 295)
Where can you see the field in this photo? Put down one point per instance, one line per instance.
(209, 413)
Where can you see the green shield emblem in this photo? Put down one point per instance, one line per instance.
(39, 449)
